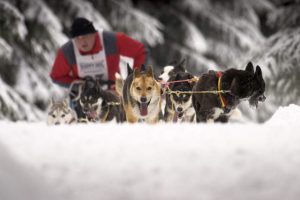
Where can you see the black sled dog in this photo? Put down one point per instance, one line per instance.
(98, 104)
(179, 83)
(231, 86)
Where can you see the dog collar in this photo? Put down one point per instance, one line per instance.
(222, 99)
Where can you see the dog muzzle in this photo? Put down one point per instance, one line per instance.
(178, 115)
(92, 115)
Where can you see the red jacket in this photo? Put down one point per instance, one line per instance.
(65, 71)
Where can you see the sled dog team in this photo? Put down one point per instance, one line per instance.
(175, 96)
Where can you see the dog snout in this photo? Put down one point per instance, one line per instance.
(143, 99)
(262, 98)
(85, 109)
(57, 123)
(179, 109)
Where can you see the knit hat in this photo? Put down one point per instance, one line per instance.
(81, 26)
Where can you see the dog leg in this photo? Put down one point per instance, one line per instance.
(169, 115)
(222, 118)
(152, 121)
(210, 121)
(202, 116)
(130, 117)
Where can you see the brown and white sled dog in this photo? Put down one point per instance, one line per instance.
(59, 112)
(141, 96)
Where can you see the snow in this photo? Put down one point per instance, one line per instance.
(292, 113)
(138, 24)
(86, 9)
(37, 90)
(20, 27)
(161, 162)
(194, 38)
(13, 106)
(39, 11)
(5, 49)
(149, 27)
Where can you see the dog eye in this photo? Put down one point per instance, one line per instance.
(149, 88)
(138, 88)
(63, 115)
(53, 115)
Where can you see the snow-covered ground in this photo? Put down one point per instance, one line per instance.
(155, 162)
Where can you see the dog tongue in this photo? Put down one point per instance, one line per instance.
(92, 114)
(144, 109)
(177, 116)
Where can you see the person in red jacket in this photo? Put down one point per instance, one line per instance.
(99, 54)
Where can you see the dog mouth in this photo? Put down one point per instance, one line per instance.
(143, 106)
(253, 101)
(91, 114)
(178, 115)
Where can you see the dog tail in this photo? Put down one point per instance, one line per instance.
(119, 83)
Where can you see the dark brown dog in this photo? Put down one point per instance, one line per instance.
(238, 84)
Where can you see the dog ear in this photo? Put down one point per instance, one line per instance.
(143, 68)
(136, 73)
(149, 71)
(250, 68)
(181, 66)
(129, 69)
(258, 72)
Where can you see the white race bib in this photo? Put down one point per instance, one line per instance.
(93, 65)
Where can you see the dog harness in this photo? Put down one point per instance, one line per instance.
(222, 99)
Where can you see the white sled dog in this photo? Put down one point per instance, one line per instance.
(60, 112)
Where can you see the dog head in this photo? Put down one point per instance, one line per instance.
(258, 87)
(249, 84)
(181, 101)
(90, 100)
(60, 113)
(143, 88)
(171, 70)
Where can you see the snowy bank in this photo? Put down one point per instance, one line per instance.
(159, 162)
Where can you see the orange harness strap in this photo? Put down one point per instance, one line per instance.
(222, 99)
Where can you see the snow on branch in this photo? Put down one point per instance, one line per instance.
(137, 24)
